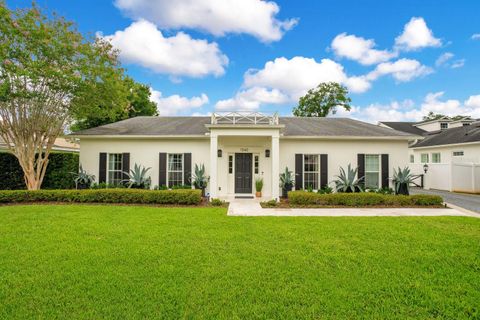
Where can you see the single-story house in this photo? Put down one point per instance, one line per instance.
(236, 148)
(449, 148)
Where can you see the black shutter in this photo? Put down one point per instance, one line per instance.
(187, 169)
(125, 165)
(385, 171)
(162, 170)
(361, 168)
(323, 170)
(298, 171)
(102, 168)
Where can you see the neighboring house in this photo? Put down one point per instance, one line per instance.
(61, 144)
(238, 147)
(451, 150)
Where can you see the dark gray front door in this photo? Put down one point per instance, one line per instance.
(243, 173)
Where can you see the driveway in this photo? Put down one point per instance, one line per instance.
(463, 200)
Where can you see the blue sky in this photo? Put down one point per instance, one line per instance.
(400, 59)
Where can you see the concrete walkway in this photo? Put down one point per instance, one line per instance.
(251, 207)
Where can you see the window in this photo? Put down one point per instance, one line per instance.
(372, 171)
(424, 158)
(175, 169)
(465, 124)
(436, 157)
(115, 174)
(311, 171)
(256, 164)
(458, 153)
(443, 125)
(412, 158)
(230, 164)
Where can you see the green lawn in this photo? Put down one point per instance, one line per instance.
(96, 262)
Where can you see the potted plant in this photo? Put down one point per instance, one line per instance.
(82, 179)
(347, 181)
(137, 178)
(286, 182)
(402, 180)
(258, 187)
(200, 179)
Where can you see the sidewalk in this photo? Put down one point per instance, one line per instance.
(251, 207)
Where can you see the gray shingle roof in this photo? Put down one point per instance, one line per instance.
(194, 126)
(405, 127)
(465, 134)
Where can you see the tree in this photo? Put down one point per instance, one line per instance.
(323, 100)
(48, 70)
(132, 100)
(437, 116)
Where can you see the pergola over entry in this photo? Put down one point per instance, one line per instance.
(245, 124)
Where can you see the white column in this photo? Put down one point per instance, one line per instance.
(275, 154)
(213, 165)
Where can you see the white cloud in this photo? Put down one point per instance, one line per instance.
(143, 44)
(394, 111)
(218, 17)
(473, 102)
(175, 104)
(443, 58)
(402, 70)
(359, 49)
(251, 99)
(458, 63)
(476, 36)
(416, 35)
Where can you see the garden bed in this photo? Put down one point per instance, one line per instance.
(304, 199)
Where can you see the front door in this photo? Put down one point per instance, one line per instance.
(243, 173)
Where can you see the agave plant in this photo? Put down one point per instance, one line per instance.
(200, 179)
(83, 180)
(137, 177)
(402, 179)
(347, 180)
(286, 182)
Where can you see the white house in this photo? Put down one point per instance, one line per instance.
(449, 148)
(237, 147)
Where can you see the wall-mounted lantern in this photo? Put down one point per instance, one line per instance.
(425, 168)
(219, 153)
(267, 153)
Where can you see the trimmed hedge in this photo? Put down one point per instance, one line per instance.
(184, 197)
(58, 175)
(362, 199)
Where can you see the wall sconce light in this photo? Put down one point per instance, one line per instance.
(219, 153)
(425, 168)
(267, 153)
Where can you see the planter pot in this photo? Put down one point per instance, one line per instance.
(258, 194)
(285, 191)
(82, 186)
(403, 189)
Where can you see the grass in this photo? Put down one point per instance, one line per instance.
(90, 262)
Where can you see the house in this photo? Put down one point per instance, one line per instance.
(60, 145)
(450, 149)
(237, 147)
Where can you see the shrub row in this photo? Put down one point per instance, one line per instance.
(184, 197)
(363, 199)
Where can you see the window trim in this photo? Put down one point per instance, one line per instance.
(310, 172)
(109, 170)
(169, 171)
(439, 157)
(427, 156)
(379, 172)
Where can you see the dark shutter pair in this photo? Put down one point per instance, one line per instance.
(299, 171)
(102, 168)
(384, 165)
(187, 169)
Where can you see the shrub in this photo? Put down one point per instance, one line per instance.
(185, 197)
(364, 199)
(269, 204)
(325, 190)
(217, 202)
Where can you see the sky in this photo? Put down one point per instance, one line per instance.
(398, 59)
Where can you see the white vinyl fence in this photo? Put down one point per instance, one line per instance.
(457, 177)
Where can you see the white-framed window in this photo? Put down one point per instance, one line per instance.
(230, 164)
(436, 157)
(424, 158)
(458, 153)
(115, 173)
(443, 125)
(175, 169)
(412, 158)
(256, 164)
(311, 171)
(372, 171)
